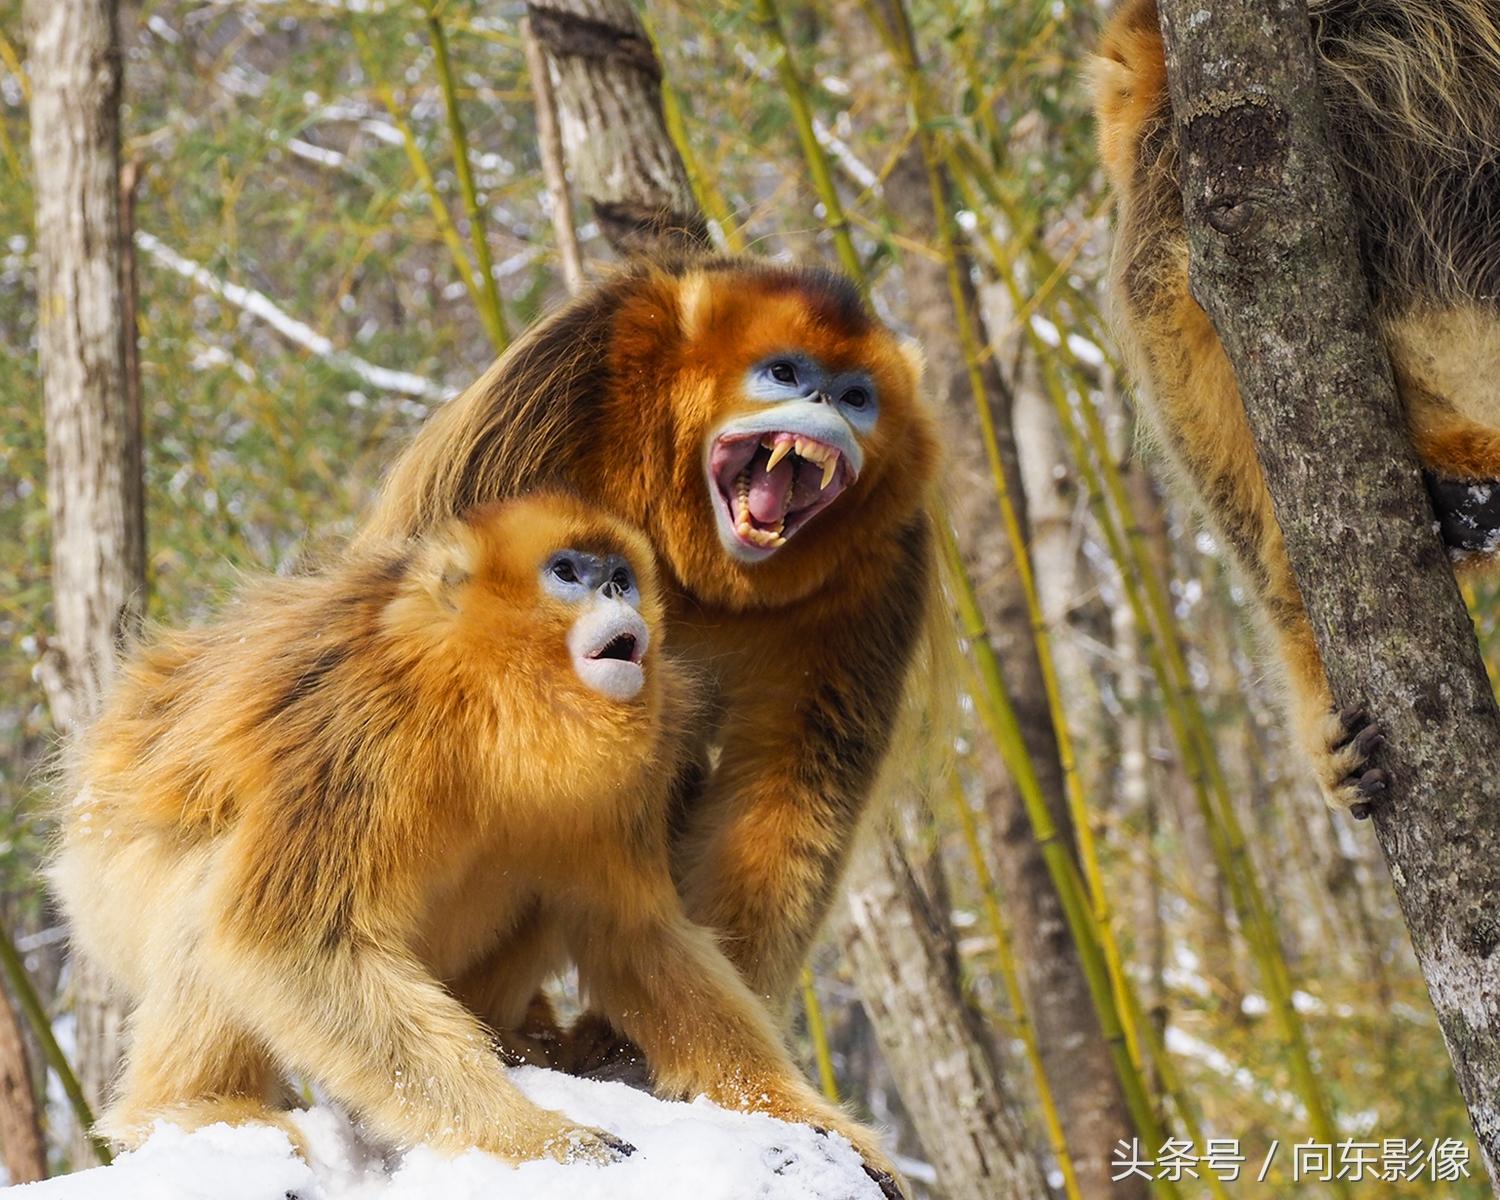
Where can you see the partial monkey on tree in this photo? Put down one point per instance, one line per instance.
(1410, 89)
(764, 429)
(349, 829)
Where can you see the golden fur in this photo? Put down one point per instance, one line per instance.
(347, 831)
(1410, 88)
(806, 654)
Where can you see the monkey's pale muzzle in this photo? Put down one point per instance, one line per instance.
(608, 644)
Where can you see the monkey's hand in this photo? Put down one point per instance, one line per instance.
(805, 1106)
(571, 1143)
(1344, 743)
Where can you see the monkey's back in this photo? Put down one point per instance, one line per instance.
(202, 720)
(202, 727)
(1410, 88)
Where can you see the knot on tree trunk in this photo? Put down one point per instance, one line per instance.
(1237, 146)
(568, 35)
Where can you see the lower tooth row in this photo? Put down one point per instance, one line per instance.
(769, 538)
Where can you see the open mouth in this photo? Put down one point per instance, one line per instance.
(608, 645)
(769, 485)
(621, 648)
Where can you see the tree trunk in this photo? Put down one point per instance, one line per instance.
(607, 83)
(935, 1044)
(1274, 263)
(1074, 1054)
(550, 150)
(1055, 528)
(93, 441)
(20, 1123)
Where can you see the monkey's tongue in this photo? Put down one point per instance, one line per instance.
(770, 491)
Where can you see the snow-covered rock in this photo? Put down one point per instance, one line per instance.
(694, 1151)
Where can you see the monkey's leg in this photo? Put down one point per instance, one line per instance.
(810, 709)
(1195, 405)
(504, 989)
(665, 982)
(370, 1025)
(191, 1064)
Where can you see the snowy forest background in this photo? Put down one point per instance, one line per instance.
(307, 293)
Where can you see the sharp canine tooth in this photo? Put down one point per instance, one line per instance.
(829, 467)
(781, 450)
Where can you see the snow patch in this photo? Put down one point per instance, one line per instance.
(694, 1151)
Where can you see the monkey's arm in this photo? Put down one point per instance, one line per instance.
(1195, 407)
(810, 710)
(322, 974)
(504, 989)
(666, 984)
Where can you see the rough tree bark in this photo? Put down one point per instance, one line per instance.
(631, 174)
(893, 934)
(608, 87)
(21, 1144)
(93, 438)
(1274, 263)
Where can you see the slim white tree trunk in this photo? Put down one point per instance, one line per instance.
(93, 438)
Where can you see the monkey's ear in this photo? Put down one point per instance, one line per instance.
(694, 304)
(916, 361)
(1109, 78)
(451, 560)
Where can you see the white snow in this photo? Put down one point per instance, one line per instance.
(691, 1151)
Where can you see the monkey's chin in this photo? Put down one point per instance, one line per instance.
(608, 644)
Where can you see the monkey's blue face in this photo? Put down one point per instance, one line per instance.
(773, 469)
(608, 639)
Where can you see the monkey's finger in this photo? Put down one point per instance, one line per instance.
(1352, 718)
(1369, 739)
(620, 1146)
(889, 1188)
(1372, 784)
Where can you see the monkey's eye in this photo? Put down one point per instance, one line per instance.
(563, 568)
(622, 580)
(784, 372)
(855, 397)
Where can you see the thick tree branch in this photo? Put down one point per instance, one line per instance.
(608, 88)
(1274, 263)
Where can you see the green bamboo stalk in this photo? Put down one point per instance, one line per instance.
(817, 1031)
(1010, 976)
(1185, 714)
(705, 190)
(491, 311)
(903, 46)
(447, 230)
(812, 150)
(995, 705)
(999, 718)
(31, 1005)
(1243, 879)
(1195, 743)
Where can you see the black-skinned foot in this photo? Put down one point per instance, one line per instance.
(1349, 781)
